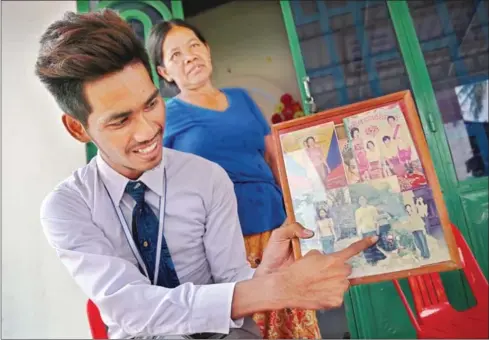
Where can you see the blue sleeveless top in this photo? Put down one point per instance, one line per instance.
(234, 139)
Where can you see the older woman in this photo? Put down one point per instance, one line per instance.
(227, 127)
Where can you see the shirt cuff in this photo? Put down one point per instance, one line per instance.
(211, 312)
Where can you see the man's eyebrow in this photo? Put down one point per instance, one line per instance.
(116, 116)
(155, 94)
(125, 114)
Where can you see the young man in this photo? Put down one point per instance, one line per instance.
(151, 235)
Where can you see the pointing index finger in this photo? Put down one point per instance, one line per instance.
(357, 247)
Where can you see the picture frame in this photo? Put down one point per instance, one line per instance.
(365, 169)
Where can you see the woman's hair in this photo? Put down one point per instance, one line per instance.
(157, 37)
(308, 139)
(352, 131)
(318, 212)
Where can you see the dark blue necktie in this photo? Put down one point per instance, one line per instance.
(145, 234)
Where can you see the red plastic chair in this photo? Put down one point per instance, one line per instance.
(97, 326)
(435, 318)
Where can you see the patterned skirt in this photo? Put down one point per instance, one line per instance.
(286, 323)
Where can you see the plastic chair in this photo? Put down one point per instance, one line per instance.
(435, 318)
(97, 326)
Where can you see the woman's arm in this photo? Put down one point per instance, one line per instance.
(331, 227)
(271, 157)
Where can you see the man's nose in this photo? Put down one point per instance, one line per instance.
(144, 129)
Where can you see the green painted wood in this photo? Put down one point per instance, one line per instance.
(162, 9)
(476, 209)
(142, 17)
(82, 6)
(177, 9)
(295, 50)
(455, 283)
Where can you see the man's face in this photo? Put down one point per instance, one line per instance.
(127, 120)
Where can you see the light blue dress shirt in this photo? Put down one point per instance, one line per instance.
(201, 228)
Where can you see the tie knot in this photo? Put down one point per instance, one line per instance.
(136, 190)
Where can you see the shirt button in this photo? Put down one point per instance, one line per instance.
(145, 244)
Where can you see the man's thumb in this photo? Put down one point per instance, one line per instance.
(289, 231)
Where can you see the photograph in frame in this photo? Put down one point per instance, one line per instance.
(361, 170)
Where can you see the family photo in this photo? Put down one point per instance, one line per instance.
(382, 146)
(364, 178)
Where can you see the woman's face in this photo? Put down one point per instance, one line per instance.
(186, 59)
(323, 213)
(370, 146)
(362, 201)
(392, 122)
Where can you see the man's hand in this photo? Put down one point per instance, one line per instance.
(278, 254)
(318, 281)
(315, 281)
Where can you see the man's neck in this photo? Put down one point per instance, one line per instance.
(128, 173)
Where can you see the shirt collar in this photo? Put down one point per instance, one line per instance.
(116, 183)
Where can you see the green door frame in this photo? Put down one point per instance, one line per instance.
(83, 6)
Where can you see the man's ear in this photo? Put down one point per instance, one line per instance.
(75, 128)
(162, 72)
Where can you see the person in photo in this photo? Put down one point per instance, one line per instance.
(401, 135)
(374, 161)
(387, 241)
(360, 153)
(391, 157)
(366, 221)
(326, 230)
(417, 227)
(318, 159)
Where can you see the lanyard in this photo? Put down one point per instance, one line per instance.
(130, 240)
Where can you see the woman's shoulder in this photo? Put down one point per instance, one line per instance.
(173, 105)
(177, 117)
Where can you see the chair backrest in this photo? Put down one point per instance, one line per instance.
(97, 326)
(475, 277)
(428, 289)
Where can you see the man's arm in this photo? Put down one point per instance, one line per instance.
(124, 296)
(223, 238)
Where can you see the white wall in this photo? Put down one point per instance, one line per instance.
(39, 299)
(250, 48)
